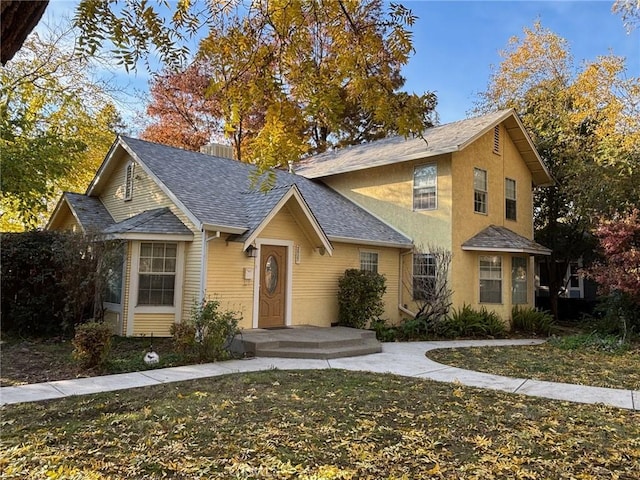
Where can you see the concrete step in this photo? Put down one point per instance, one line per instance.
(307, 342)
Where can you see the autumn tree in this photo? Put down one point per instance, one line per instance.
(56, 126)
(585, 124)
(296, 77)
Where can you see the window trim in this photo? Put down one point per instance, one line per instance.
(514, 200)
(481, 278)
(128, 181)
(427, 276)
(526, 281)
(157, 273)
(484, 192)
(435, 187)
(377, 262)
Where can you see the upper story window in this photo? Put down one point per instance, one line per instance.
(510, 199)
(425, 182)
(157, 273)
(369, 261)
(128, 182)
(480, 190)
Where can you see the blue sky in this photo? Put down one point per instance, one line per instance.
(456, 43)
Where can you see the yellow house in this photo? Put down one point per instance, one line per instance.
(191, 226)
(466, 187)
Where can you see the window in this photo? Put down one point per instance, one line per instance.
(510, 198)
(128, 182)
(113, 284)
(369, 261)
(491, 279)
(496, 139)
(479, 190)
(157, 273)
(519, 280)
(424, 276)
(425, 180)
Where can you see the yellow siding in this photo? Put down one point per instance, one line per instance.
(148, 324)
(65, 220)
(387, 192)
(315, 278)
(147, 195)
(507, 164)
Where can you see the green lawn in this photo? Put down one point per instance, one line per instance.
(327, 424)
(584, 365)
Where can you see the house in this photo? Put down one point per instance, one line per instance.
(191, 225)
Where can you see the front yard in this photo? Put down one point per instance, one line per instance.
(328, 424)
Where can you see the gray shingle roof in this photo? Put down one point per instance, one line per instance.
(501, 239)
(217, 191)
(438, 140)
(156, 221)
(90, 212)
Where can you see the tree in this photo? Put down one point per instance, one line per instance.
(57, 124)
(288, 78)
(585, 125)
(630, 12)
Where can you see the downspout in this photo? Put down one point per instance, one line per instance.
(401, 306)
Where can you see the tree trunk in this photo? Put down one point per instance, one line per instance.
(19, 18)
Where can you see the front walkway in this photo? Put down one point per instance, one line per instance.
(406, 359)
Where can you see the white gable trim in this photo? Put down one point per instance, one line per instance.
(294, 193)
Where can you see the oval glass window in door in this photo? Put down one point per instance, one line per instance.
(271, 274)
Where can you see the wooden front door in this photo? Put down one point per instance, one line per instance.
(273, 288)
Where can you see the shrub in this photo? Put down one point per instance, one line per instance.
(594, 341)
(360, 297)
(384, 332)
(468, 322)
(531, 320)
(209, 334)
(92, 342)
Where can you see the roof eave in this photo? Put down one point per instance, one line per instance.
(531, 251)
(371, 243)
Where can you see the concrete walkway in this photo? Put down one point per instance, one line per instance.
(407, 359)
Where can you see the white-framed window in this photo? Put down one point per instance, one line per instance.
(480, 192)
(369, 261)
(510, 204)
(519, 277)
(128, 181)
(424, 276)
(157, 273)
(425, 187)
(490, 279)
(114, 277)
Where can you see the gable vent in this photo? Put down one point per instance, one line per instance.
(496, 139)
(218, 150)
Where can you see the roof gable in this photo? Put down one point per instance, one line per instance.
(439, 140)
(501, 239)
(89, 212)
(217, 194)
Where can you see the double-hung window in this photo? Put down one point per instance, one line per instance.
(510, 199)
(369, 261)
(425, 182)
(519, 280)
(491, 279)
(480, 190)
(424, 276)
(157, 273)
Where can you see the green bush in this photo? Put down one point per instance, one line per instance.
(384, 332)
(591, 341)
(468, 322)
(360, 297)
(531, 320)
(208, 335)
(92, 343)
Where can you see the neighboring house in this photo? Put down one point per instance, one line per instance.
(192, 226)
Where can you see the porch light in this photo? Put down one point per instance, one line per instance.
(251, 251)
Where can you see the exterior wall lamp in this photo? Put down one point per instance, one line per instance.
(251, 251)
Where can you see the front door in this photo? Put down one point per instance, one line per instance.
(273, 288)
